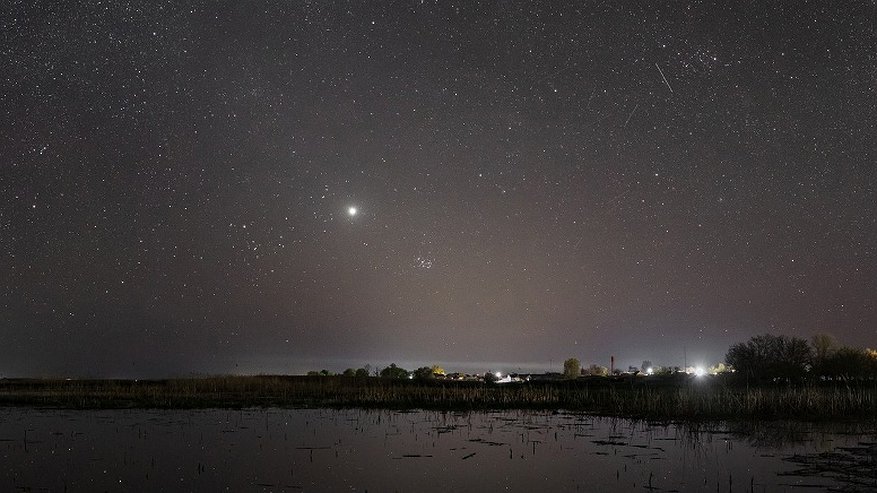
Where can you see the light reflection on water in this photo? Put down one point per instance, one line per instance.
(376, 451)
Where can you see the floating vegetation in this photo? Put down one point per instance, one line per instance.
(854, 466)
(609, 442)
(319, 449)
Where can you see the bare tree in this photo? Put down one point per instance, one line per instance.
(768, 357)
(824, 345)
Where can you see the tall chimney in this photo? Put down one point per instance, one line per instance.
(612, 364)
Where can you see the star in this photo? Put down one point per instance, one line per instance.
(558, 192)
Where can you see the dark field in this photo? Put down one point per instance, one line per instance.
(657, 398)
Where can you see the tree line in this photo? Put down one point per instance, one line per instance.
(772, 357)
(392, 371)
(764, 357)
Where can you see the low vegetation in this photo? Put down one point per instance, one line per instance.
(676, 397)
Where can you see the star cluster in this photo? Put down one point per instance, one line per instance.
(224, 186)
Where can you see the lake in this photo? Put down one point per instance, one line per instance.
(379, 451)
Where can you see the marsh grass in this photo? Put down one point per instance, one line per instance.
(678, 399)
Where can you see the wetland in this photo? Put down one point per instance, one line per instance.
(275, 433)
(272, 449)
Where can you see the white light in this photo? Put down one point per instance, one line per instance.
(699, 372)
(352, 211)
(498, 375)
(650, 370)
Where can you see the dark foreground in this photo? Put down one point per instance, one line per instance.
(656, 398)
(424, 451)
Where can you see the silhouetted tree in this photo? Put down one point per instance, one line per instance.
(424, 373)
(572, 368)
(848, 363)
(769, 357)
(350, 372)
(361, 373)
(824, 346)
(394, 371)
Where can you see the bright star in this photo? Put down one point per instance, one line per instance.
(351, 211)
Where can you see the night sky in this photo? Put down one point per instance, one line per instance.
(252, 187)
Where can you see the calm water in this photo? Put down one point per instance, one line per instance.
(378, 451)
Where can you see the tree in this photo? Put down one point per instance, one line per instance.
(848, 363)
(824, 349)
(770, 357)
(572, 368)
(350, 372)
(598, 371)
(394, 371)
(361, 373)
(823, 346)
(437, 370)
(424, 373)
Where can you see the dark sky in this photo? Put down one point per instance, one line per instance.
(532, 181)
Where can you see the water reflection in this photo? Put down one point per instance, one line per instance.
(363, 450)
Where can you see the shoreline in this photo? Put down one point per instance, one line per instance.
(689, 399)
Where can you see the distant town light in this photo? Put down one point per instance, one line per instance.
(650, 370)
(498, 374)
(699, 371)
